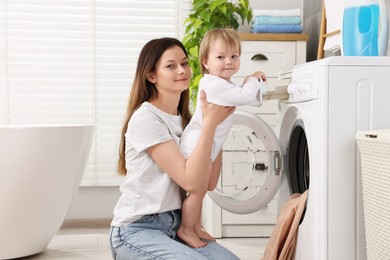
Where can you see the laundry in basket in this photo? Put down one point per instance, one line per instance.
(374, 148)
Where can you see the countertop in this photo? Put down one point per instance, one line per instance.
(273, 37)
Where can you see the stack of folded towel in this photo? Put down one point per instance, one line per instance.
(277, 21)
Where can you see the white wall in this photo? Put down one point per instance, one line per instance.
(98, 202)
(93, 203)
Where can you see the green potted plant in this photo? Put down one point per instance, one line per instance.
(204, 16)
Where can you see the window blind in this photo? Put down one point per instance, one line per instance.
(47, 63)
(3, 67)
(73, 62)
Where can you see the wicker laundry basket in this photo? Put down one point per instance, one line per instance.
(374, 148)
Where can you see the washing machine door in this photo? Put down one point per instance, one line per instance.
(252, 166)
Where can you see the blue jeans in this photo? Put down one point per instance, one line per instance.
(154, 237)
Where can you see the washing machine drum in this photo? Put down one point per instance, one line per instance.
(252, 166)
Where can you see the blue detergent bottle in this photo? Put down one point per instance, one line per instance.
(360, 28)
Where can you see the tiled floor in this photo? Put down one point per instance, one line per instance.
(92, 243)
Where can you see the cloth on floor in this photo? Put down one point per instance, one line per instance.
(281, 245)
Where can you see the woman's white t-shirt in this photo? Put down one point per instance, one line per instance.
(147, 189)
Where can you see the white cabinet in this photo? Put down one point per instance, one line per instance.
(269, 53)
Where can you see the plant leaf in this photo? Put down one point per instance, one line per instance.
(222, 8)
(206, 16)
(198, 4)
(194, 51)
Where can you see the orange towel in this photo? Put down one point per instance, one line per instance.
(281, 245)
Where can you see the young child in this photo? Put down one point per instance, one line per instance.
(219, 56)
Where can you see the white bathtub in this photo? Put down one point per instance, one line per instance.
(40, 171)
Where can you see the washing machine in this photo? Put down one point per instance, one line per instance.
(313, 148)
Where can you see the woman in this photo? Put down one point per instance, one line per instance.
(148, 213)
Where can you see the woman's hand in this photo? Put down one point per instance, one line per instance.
(212, 113)
(193, 174)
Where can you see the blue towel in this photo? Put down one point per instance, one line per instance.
(262, 19)
(272, 28)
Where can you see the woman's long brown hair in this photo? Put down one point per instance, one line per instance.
(143, 90)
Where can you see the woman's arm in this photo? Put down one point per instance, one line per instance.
(194, 173)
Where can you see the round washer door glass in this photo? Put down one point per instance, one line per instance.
(252, 166)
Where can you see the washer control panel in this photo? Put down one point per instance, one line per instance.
(303, 86)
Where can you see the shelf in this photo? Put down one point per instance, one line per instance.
(273, 37)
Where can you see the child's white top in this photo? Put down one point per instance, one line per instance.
(224, 93)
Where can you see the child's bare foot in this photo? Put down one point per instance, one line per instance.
(202, 234)
(189, 236)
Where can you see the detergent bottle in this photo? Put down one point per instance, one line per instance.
(362, 20)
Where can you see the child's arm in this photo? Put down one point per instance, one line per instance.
(263, 79)
(225, 93)
(259, 75)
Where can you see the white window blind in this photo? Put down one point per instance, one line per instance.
(73, 62)
(3, 67)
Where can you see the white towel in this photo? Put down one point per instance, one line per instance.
(289, 12)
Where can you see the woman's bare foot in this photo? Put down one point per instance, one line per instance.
(202, 234)
(189, 236)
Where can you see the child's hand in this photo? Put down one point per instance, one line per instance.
(258, 75)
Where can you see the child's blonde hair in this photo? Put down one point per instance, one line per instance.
(228, 36)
